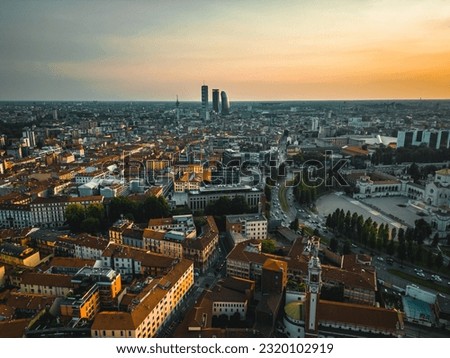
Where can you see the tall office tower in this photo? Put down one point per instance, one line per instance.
(225, 103)
(29, 134)
(215, 99)
(177, 104)
(55, 114)
(204, 102)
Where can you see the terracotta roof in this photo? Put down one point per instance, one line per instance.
(46, 279)
(360, 315)
(74, 262)
(363, 279)
(147, 258)
(238, 284)
(223, 294)
(13, 329)
(29, 301)
(154, 234)
(93, 242)
(159, 222)
(274, 265)
(113, 321)
(7, 312)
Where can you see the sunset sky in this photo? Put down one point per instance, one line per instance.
(255, 50)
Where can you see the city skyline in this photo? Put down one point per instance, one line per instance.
(322, 50)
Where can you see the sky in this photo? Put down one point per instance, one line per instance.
(254, 49)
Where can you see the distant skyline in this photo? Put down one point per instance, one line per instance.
(254, 50)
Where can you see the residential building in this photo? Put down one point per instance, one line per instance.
(51, 212)
(199, 199)
(47, 284)
(130, 261)
(433, 138)
(19, 255)
(147, 312)
(250, 226)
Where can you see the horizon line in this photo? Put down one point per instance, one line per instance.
(235, 101)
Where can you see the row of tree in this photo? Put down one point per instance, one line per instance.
(419, 154)
(404, 244)
(97, 217)
(91, 219)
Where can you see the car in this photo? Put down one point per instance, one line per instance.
(420, 274)
(437, 278)
(418, 270)
(379, 258)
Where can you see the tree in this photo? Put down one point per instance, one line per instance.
(269, 246)
(393, 233)
(439, 262)
(346, 249)
(294, 224)
(97, 211)
(268, 192)
(414, 171)
(90, 225)
(238, 205)
(422, 231)
(334, 243)
(75, 214)
(435, 240)
(430, 259)
(154, 207)
(122, 206)
(390, 249)
(401, 251)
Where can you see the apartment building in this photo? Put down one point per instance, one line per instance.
(46, 284)
(147, 311)
(19, 255)
(250, 226)
(51, 212)
(130, 261)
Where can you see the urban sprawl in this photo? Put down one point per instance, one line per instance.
(225, 219)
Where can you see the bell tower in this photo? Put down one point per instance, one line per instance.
(313, 288)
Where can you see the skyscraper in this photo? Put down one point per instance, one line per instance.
(177, 104)
(225, 103)
(204, 113)
(215, 99)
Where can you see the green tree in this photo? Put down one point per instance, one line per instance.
(390, 249)
(268, 192)
(346, 249)
(422, 231)
(430, 259)
(90, 225)
(334, 243)
(439, 262)
(97, 211)
(268, 246)
(154, 207)
(123, 206)
(238, 205)
(435, 240)
(393, 233)
(75, 214)
(401, 251)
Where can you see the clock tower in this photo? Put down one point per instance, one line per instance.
(313, 289)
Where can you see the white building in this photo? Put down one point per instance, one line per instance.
(250, 226)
